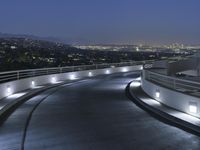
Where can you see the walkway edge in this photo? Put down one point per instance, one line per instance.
(12, 106)
(187, 126)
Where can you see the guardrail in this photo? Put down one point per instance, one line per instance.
(171, 82)
(20, 74)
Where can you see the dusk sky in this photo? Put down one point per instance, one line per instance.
(105, 21)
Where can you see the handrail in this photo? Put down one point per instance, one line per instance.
(171, 82)
(174, 78)
(51, 68)
(20, 74)
(54, 68)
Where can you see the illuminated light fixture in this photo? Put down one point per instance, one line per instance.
(90, 74)
(157, 93)
(136, 83)
(193, 107)
(9, 91)
(124, 70)
(33, 83)
(107, 71)
(72, 77)
(53, 79)
(141, 67)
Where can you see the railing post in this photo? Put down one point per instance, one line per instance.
(174, 83)
(148, 75)
(84, 67)
(18, 75)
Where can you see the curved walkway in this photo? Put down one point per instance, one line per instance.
(92, 114)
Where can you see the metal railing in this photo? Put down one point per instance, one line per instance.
(172, 82)
(20, 74)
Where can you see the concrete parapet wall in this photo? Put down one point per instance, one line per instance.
(174, 99)
(23, 84)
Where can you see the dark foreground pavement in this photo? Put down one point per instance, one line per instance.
(93, 114)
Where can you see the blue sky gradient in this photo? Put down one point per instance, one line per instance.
(105, 21)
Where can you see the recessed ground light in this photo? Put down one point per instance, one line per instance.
(124, 70)
(32, 83)
(72, 77)
(90, 74)
(193, 107)
(9, 91)
(107, 71)
(53, 79)
(157, 94)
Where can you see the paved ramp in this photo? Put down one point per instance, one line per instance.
(93, 114)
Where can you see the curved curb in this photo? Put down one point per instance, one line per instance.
(12, 106)
(32, 111)
(161, 115)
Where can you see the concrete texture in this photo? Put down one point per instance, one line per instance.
(175, 117)
(93, 114)
(170, 97)
(24, 84)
